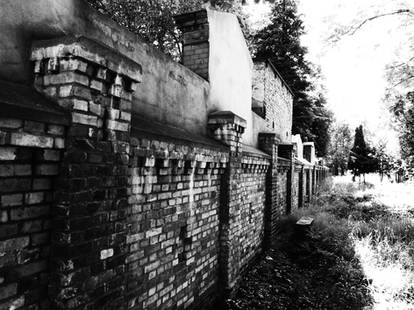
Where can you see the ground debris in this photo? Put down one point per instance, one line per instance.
(320, 271)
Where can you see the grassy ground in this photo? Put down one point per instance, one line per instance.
(359, 253)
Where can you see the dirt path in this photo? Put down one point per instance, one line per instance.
(359, 253)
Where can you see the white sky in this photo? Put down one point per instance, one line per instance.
(354, 67)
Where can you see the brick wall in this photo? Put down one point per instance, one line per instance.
(102, 209)
(282, 188)
(30, 154)
(196, 46)
(94, 84)
(246, 213)
(272, 100)
(295, 188)
(174, 223)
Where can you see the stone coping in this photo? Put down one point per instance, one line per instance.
(301, 161)
(24, 102)
(249, 150)
(226, 117)
(90, 50)
(191, 18)
(143, 126)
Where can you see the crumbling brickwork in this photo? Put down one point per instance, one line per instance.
(103, 208)
(174, 223)
(282, 186)
(273, 100)
(246, 209)
(195, 41)
(295, 188)
(89, 246)
(31, 150)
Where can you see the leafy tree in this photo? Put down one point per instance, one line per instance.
(362, 158)
(153, 20)
(403, 115)
(399, 72)
(339, 148)
(279, 42)
(322, 120)
(385, 162)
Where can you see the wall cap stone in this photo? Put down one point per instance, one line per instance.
(226, 117)
(271, 136)
(90, 50)
(191, 19)
(24, 102)
(309, 144)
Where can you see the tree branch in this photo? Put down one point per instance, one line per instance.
(404, 80)
(354, 29)
(398, 65)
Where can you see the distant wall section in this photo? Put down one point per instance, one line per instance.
(272, 100)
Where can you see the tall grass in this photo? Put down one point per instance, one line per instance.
(381, 235)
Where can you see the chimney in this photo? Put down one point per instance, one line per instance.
(195, 29)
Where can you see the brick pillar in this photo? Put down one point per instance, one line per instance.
(95, 84)
(309, 152)
(308, 185)
(313, 180)
(268, 143)
(228, 128)
(301, 188)
(194, 26)
(287, 151)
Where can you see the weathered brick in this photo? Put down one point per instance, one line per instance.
(34, 127)
(25, 139)
(50, 91)
(14, 185)
(75, 91)
(11, 123)
(6, 170)
(107, 253)
(42, 184)
(13, 304)
(11, 200)
(4, 137)
(15, 170)
(65, 78)
(3, 217)
(13, 244)
(125, 116)
(81, 105)
(21, 170)
(31, 269)
(97, 85)
(95, 108)
(8, 230)
(114, 125)
(73, 64)
(7, 291)
(48, 155)
(33, 198)
(31, 226)
(47, 169)
(85, 119)
(39, 239)
(102, 73)
(125, 105)
(22, 213)
(7, 153)
(59, 143)
(55, 130)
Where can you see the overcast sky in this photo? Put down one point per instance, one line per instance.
(354, 66)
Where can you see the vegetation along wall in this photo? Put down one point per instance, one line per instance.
(122, 185)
